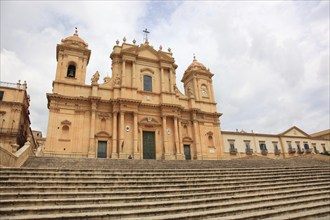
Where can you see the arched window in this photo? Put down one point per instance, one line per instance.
(147, 83)
(71, 71)
(210, 141)
(65, 132)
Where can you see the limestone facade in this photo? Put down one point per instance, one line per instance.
(16, 138)
(140, 113)
(290, 143)
(137, 113)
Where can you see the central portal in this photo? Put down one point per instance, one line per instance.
(149, 147)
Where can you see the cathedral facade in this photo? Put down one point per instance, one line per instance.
(136, 113)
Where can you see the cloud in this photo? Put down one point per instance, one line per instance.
(270, 59)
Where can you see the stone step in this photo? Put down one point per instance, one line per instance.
(89, 163)
(23, 172)
(247, 172)
(228, 190)
(151, 181)
(315, 210)
(118, 177)
(65, 188)
(222, 208)
(128, 198)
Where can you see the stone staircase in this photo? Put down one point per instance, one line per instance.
(67, 188)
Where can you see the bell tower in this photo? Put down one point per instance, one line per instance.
(72, 57)
(197, 81)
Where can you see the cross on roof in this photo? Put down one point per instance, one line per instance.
(146, 32)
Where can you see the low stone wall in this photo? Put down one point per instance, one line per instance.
(16, 159)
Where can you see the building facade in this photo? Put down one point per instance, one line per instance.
(137, 113)
(290, 143)
(16, 138)
(140, 113)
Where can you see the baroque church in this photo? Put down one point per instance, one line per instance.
(138, 113)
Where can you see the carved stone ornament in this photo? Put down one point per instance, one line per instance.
(95, 77)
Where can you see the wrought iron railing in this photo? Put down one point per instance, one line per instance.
(264, 152)
(292, 150)
(233, 150)
(249, 151)
(277, 152)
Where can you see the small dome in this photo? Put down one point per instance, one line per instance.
(75, 40)
(196, 66)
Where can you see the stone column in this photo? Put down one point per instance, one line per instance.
(123, 74)
(121, 132)
(164, 136)
(114, 136)
(180, 138)
(135, 136)
(196, 138)
(91, 149)
(176, 137)
(171, 80)
(134, 83)
(162, 79)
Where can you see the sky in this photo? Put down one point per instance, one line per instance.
(270, 59)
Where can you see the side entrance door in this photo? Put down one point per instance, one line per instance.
(102, 149)
(149, 146)
(186, 149)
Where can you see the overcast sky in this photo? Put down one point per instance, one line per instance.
(270, 59)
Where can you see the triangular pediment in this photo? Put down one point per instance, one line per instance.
(148, 52)
(294, 132)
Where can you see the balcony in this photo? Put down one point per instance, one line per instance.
(308, 151)
(292, 150)
(277, 152)
(233, 151)
(264, 152)
(301, 151)
(249, 151)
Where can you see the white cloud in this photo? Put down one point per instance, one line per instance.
(270, 59)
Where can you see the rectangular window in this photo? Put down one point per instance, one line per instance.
(247, 145)
(147, 83)
(306, 146)
(262, 146)
(232, 146)
(275, 147)
(1, 95)
(289, 145)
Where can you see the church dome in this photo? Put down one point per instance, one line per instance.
(196, 66)
(75, 40)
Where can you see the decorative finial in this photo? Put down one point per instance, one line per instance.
(160, 47)
(124, 39)
(117, 42)
(146, 36)
(194, 57)
(169, 50)
(134, 41)
(76, 31)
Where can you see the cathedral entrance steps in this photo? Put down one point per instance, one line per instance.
(246, 190)
(144, 178)
(158, 182)
(74, 199)
(159, 172)
(105, 164)
(190, 208)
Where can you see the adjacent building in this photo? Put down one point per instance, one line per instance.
(16, 138)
